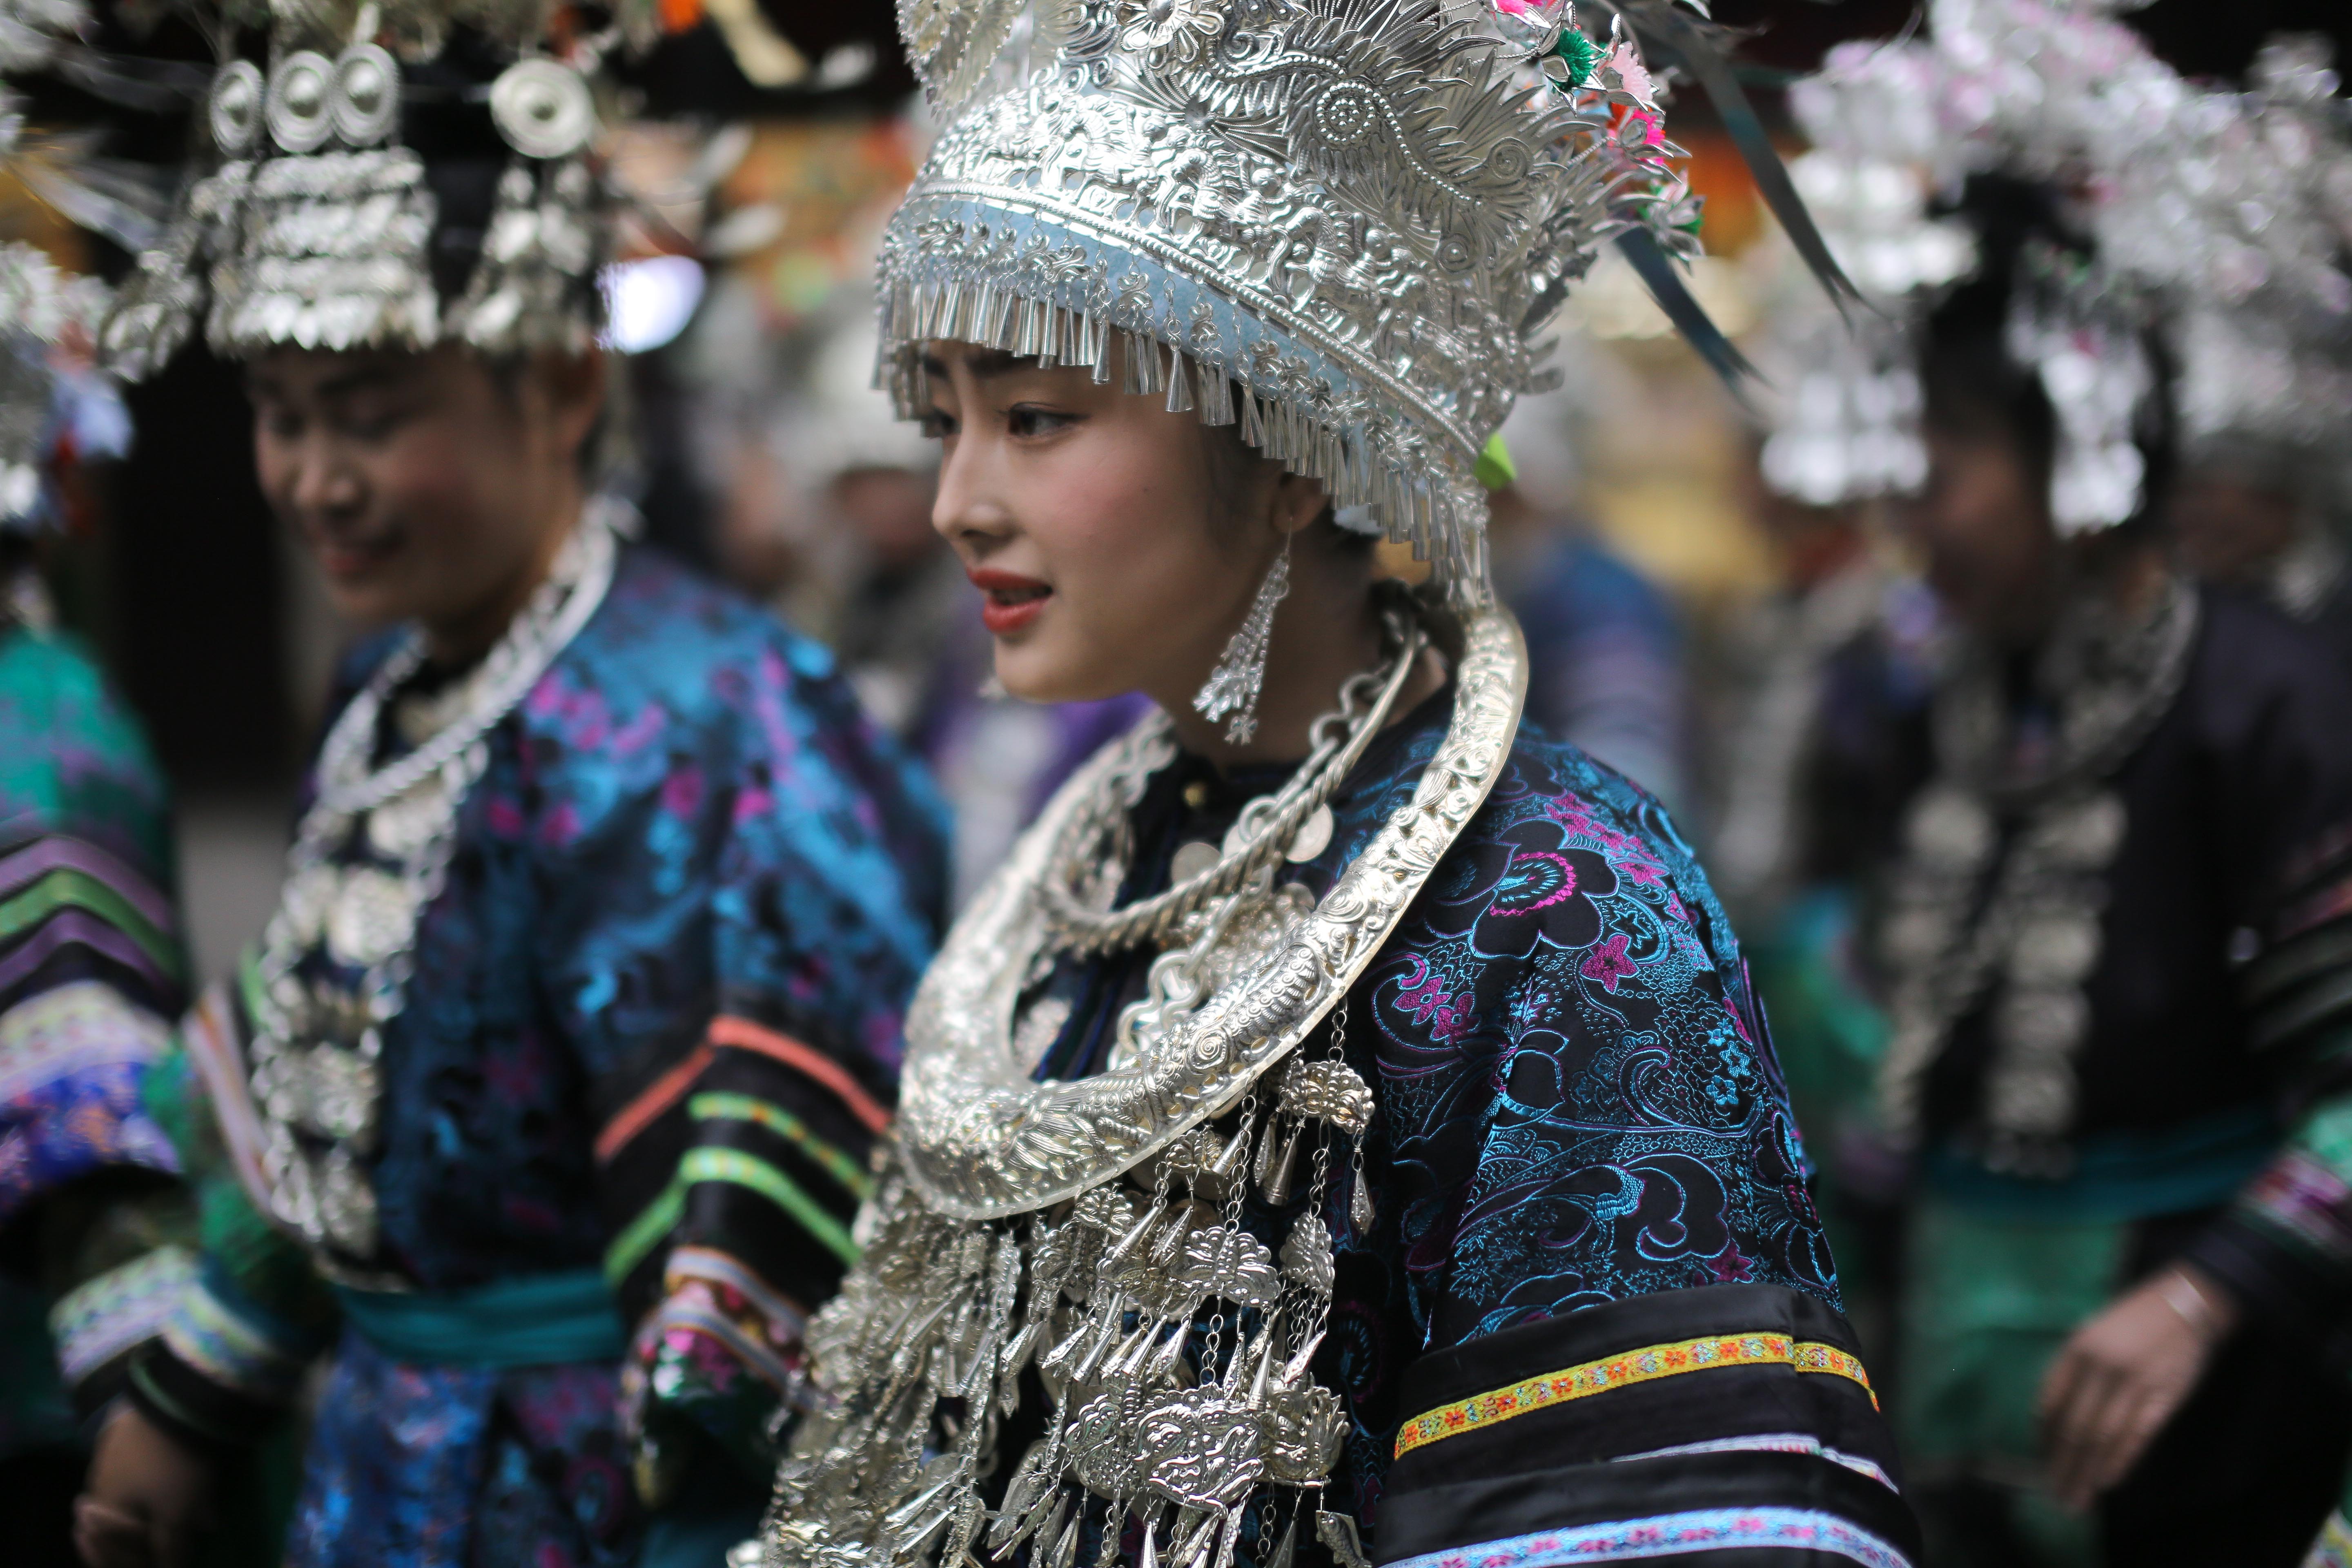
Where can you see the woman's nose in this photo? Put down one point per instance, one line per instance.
(963, 506)
(323, 483)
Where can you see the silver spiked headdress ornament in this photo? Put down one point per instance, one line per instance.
(1340, 225)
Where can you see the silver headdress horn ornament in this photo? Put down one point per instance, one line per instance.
(311, 220)
(1340, 225)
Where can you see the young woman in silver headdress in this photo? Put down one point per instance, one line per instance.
(1344, 1127)
(539, 1111)
(2113, 940)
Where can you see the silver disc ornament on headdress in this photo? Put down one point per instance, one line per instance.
(310, 223)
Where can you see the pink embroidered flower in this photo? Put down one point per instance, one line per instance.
(1608, 963)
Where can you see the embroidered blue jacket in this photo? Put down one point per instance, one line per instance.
(1582, 1149)
(652, 1030)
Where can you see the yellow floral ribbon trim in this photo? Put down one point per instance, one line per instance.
(1645, 1365)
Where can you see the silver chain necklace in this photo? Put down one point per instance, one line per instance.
(2046, 837)
(313, 1062)
(1088, 860)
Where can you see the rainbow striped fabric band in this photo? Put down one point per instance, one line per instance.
(1700, 1531)
(1645, 1365)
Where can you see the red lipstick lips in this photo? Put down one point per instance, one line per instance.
(1011, 601)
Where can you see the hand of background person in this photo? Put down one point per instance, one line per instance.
(146, 1495)
(2125, 1372)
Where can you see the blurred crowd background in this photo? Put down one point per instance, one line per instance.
(1757, 663)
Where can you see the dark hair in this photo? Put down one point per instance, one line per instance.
(599, 448)
(1229, 463)
(1970, 382)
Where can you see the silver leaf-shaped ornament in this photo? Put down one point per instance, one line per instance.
(1304, 1426)
(1306, 1256)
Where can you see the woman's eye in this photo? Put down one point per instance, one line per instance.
(1024, 419)
(370, 424)
(938, 425)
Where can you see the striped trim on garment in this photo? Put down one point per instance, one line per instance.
(78, 928)
(72, 1028)
(56, 851)
(69, 888)
(658, 1219)
(728, 1106)
(103, 1317)
(1772, 1443)
(738, 1034)
(1712, 1352)
(692, 1317)
(1675, 1535)
(695, 1262)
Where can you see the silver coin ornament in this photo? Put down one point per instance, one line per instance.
(1192, 860)
(542, 108)
(301, 101)
(373, 916)
(366, 101)
(233, 107)
(1314, 835)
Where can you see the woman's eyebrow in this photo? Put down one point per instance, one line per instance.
(984, 363)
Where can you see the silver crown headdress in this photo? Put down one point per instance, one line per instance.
(312, 223)
(49, 388)
(2217, 218)
(52, 395)
(1339, 223)
(2043, 90)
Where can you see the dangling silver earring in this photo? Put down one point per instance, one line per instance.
(1234, 686)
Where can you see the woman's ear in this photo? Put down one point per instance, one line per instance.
(574, 388)
(1297, 503)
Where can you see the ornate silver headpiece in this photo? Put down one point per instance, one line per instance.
(1342, 223)
(311, 224)
(48, 386)
(51, 393)
(2063, 95)
(2238, 212)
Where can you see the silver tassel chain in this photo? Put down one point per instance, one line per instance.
(1234, 686)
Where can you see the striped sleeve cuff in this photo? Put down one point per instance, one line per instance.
(65, 902)
(2285, 1247)
(223, 1368)
(73, 1060)
(754, 1146)
(1683, 1425)
(100, 1321)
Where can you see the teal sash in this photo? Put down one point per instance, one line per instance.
(2123, 1175)
(538, 1320)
